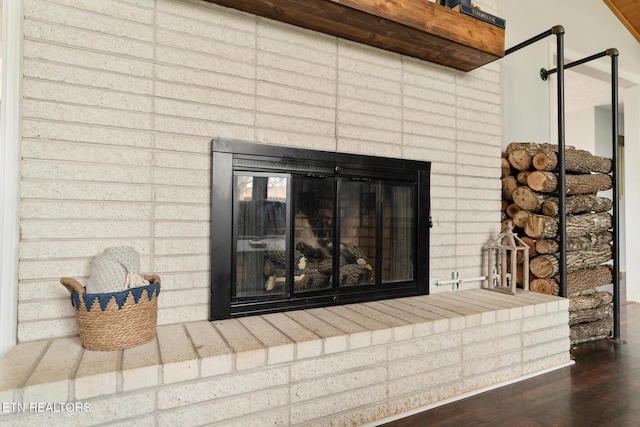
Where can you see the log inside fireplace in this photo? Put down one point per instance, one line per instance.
(294, 229)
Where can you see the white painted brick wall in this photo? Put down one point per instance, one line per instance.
(122, 97)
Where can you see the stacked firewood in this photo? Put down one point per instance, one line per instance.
(530, 201)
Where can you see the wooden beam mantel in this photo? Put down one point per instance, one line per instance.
(416, 28)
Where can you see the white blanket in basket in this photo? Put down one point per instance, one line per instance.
(115, 270)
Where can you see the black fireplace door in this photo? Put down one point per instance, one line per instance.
(289, 235)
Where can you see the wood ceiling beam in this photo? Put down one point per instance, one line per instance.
(628, 12)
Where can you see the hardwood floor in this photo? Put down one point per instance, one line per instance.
(601, 389)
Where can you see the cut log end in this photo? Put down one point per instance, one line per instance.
(521, 218)
(520, 159)
(544, 266)
(544, 286)
(549, 208)
(512, 210)
(509, 184)
(542, 181)
(531, 243)
(541, 161)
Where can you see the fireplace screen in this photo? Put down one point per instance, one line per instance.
(298, 228)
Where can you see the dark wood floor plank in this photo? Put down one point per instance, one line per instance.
(601, 389)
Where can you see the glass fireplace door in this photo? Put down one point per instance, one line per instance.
(359, 232)
(374, 233)
(314, 201)
(377, 232)
(297, 229)
(398, 232)
(261, 235)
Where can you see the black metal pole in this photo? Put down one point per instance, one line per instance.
(544, 73)
(562, 196)
(554, 30)
(616, 202)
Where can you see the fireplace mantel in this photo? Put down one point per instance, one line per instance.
(416, 28)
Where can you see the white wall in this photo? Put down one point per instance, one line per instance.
(632, 193)
(580, 130)
(603, 147)
(10, 171)
(525, 97)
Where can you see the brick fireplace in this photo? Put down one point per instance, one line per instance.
(117, 127)
(120, 102)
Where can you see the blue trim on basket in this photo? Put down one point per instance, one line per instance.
(137, 293)
(75, 300)
(120, 297)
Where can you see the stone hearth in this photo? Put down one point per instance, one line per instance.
(347, 365)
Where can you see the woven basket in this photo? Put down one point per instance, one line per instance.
(116, 320)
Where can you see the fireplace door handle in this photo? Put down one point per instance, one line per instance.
(257, 243)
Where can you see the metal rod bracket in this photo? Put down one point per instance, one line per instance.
(544, 74)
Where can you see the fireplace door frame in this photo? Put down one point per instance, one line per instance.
(232, 157)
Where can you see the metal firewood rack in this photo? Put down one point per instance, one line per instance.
(558, 31)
